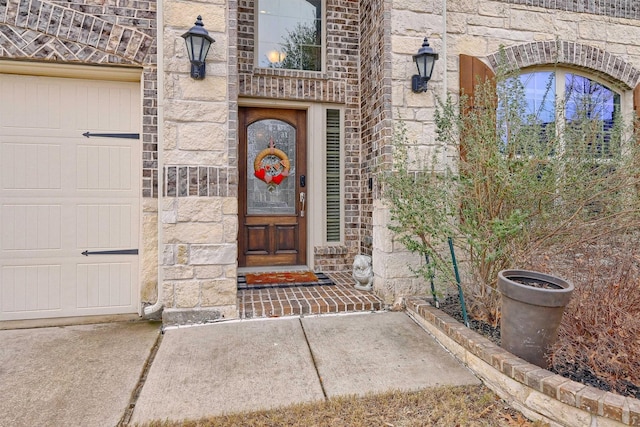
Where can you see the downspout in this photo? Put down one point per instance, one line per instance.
(444, 49)
(445, 71)
(152, 310)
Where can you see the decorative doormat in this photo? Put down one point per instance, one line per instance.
(287, 279)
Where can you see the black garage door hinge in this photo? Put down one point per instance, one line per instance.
(112, 135)
(118, 252)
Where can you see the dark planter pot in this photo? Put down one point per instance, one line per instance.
(532, 307)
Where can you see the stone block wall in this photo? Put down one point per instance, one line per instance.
(480, 28)
(407, 22)
(393, 278)
(598, 38)
(199, 207)
(575, 33)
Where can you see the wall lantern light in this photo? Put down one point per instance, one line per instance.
(198, 42)
(425, 60)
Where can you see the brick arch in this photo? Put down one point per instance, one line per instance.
(569, 53)
(54, 32)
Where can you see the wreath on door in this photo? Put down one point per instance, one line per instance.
(268, 170)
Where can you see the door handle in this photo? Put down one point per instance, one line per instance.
(303, 197)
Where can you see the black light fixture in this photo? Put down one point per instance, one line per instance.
(198, 43)
(425, 60)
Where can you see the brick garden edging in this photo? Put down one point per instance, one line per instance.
(537, 393)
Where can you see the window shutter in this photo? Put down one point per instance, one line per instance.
(636, 108)
(333, 175)
(472, 72)
(636, 100)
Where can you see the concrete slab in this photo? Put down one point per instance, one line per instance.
(378, 352)
(71, 376)
(228, 367)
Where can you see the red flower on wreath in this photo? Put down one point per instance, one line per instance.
(271, 173)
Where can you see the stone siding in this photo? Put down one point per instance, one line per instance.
(199, 213)
(597, 39)
(598, 61)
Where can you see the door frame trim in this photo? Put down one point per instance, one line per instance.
(302, 221)
(316, 233)
(76, 71)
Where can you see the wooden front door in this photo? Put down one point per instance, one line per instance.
(272, 199)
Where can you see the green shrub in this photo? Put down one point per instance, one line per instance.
(508, 187)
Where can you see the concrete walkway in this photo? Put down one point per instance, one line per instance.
(71, 376)
(85, 375)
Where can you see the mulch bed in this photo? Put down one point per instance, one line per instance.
(451, 306)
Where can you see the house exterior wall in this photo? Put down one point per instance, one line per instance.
(600, 39)
(189, 130)
(375, 102)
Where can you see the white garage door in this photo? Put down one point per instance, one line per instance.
(62, 194)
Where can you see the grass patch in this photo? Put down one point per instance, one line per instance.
(442, 406)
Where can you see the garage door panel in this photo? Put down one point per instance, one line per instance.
(102, 167)
(31, 227)
(104, 285)
(105, 227)
(31, 288)
(108, 106)
(30, 97)
(30, 166)
(62, 194)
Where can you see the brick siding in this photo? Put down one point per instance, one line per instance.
(200, 181)
(376, 128)
(629, 9)
(338, 83)
(570, 53)
(538, 393)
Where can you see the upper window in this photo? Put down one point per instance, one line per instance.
(290, 34)
(586, 109)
